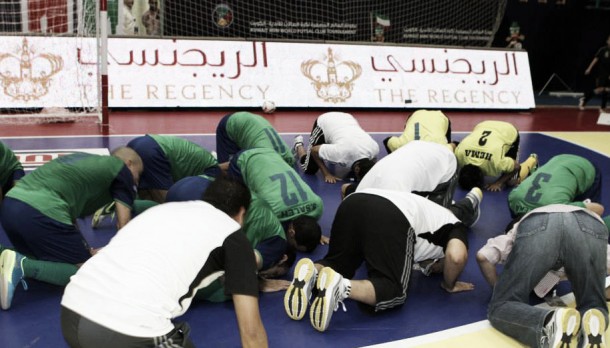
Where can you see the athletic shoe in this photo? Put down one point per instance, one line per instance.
(562, 329)
(298, 294)
(594, 329)
(581, 103)
(475, 196)
(529, 166)
(298, 141)
(10, 275)
(332, 290)
(426, 267)
(101, 213)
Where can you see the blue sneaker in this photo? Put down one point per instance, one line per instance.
(11, 274)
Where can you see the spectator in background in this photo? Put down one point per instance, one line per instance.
(151, 19)
(602, 77)
(128, 25)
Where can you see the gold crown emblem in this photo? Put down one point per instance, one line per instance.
(26, 76)
(333, 81)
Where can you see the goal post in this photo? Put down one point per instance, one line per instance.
(50, 61)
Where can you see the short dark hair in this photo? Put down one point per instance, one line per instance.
(364, 165)
(307, 232)
(228, 195)
(471, 176)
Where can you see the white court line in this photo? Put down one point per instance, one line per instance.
(459, 330)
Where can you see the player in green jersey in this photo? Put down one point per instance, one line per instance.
(11, 170)
(168, 159)
(564, 179)
(39, 215)
(271, 179)
(244, 130)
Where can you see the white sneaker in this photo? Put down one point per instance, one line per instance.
(562, 329)
(332, 290)
(581, 103)
(298, 293)
(11, 274)
(298, 141)
(594, 329)
(475, 196)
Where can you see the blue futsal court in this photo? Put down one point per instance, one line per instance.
(33, 320)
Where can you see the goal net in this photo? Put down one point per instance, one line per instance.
(430, 22)
(51, 58)
(49, 54)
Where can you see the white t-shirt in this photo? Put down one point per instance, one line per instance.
(424, 216)
(417, 166)
(128, 23)
(148, 273)
(345, 141)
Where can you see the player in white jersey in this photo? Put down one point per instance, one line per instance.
(129, 292)
(422, 167)
(388, 230)
(336, 141)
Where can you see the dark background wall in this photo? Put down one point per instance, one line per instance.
(560, 39)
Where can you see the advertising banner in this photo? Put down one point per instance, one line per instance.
(197, 73)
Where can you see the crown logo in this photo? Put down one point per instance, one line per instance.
(26, 76)
(333, 81)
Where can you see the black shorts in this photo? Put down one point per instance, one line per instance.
(371, 229)
(79, 331)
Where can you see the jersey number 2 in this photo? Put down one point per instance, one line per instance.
(483, 139)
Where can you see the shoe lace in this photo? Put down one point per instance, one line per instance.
(548, 332)
(345, 294)
(22, 280)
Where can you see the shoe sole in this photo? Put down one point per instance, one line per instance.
(321, 310)
(567, 325)
(594, 335)
(296, 297)
(8, 265)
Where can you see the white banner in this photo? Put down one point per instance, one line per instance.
(196, 73)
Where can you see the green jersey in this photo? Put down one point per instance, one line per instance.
(8, 164)
(486, 147)
(251, 131)
(76, 185)
(186, 158)
(559, 181)
(261, 223)
(274, 181)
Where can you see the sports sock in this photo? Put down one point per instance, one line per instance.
(140, 205)
(56, 273)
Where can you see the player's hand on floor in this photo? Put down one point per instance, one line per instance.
(273, 285)
(324, 240)
(458, 287)
(331, 179)
(495, 187)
